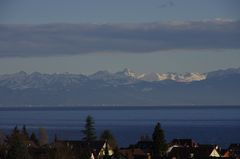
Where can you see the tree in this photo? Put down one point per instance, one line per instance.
(17, 146)
(55, 138)
(3, 146)
(107, 136)
(24, 132)
(43, 137)
(2, 137)
(3, 151)
(60, 151)
(34, 138)
(89, 130)
(159, 142)
(15, 130)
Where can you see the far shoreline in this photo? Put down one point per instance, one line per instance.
(110, 107)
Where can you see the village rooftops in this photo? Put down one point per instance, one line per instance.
(193, 152)
(144, 144)
(97, 147)
(234, 146)
(184, 142)
(234, 150)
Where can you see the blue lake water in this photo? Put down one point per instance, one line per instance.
(205, 124)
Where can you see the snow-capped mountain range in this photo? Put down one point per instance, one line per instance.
(125, 87)
(127, 73)
(22, 80)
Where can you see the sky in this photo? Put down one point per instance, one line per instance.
(84, 36)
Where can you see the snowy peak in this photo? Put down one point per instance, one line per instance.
(151, 77)
(131, 75)
(105, 75)
(127, 73)
(188, 77)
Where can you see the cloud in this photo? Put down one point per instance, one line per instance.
(72, 39)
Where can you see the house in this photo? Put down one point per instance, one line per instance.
(100, 147)
(32, 144)
(200, 152)
(96, 148)
(146, 146)
(180, 153)
(135, 153)
(141, 150)
(203, 151)
(225, 153)
(234, 150)
(180, 146)
(184, 142)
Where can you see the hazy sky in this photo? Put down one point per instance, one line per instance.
(144, 35)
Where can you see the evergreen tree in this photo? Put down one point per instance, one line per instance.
(106, 135)
(159, 142)
(17, 146)
(89, 130)
(24, 132)
(15, 130)
(55, 138)
(34, 138)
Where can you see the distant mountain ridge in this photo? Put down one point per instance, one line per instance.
(221, 87)
(22, 80)
(187, 77)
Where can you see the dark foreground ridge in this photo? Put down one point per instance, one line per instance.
(20, 145)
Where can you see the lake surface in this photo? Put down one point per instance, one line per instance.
(205, 124)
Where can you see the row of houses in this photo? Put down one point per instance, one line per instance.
(143, 149)
(76, 148)
(182, 149)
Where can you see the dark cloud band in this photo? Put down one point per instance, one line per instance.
(71, 39)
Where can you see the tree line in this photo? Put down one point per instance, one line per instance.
(17, 145)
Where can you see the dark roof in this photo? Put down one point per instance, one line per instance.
(234, 150)
(186, 152)
(96, 146)
(180, 152)
(184, 142)
(140, 157)
(223, 151)
(203, 151)
(234, 146)
(209, 146)
(135, 153)
(144, 145)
